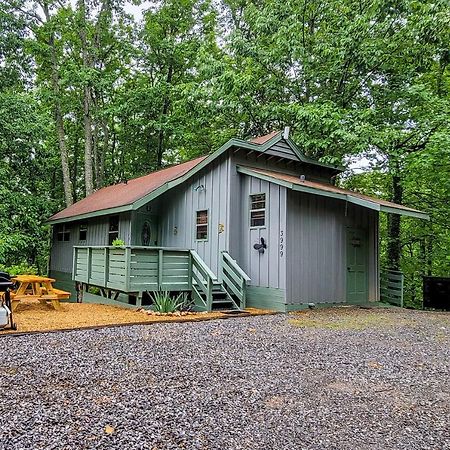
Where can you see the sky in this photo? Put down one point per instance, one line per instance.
(137, 10)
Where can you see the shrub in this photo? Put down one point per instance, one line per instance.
(19, 269)
(163, 302)
(118, 243)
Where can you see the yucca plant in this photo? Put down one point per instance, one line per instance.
(163, 302)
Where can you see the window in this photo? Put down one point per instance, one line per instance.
(83, 232)
(113, 232)
(258, 210)
(63, 233)
(201, 232)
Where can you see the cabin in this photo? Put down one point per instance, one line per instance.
(254, 224)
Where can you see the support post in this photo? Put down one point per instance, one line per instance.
(160, 269)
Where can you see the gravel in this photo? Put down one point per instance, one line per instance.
(244, 383)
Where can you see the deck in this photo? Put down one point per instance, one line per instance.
(134, 270)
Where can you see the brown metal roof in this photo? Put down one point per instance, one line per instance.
(332, 189)
(265, 138)
(123, 194)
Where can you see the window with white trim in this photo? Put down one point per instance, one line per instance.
(63, 233)
(258, 210)
(201, 225)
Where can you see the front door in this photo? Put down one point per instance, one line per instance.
(357, 261)
(145, 229)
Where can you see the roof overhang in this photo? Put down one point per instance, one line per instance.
(368, 202)
(236, 143)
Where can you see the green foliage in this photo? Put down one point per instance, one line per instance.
(118, 242)
(164, 302)
(19, 269)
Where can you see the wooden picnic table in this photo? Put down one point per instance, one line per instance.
(34, 287)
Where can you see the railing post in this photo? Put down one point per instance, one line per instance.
(221, 267)
(127, 268)
(106, 266)
(89, 264)
(401, 289)
(160, 268)
(209, 295)
(190, 271)
(74, 263)
(244, 294)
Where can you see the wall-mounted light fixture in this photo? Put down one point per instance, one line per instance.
(199, 188)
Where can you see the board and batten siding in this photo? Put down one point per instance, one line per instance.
(317, 233)
(61, 258)
(178, 208)
(266, 269)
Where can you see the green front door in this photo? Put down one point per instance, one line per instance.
(357, 260)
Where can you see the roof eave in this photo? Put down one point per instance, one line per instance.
(98, 213)
(340, 196)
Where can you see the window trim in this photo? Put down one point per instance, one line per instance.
(250, 210)
(202, 224)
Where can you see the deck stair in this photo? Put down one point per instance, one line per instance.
(134, 270)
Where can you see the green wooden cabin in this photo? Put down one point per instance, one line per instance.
(256, 223)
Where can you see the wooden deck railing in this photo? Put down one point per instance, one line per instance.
(391, 287)
(234, 279)
(134, 270)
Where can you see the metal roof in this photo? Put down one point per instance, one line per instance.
(113, 198)
(328, 190)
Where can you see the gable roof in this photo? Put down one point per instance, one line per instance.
(266, 142)
(328, 190)
(139, 191)
(120, 195)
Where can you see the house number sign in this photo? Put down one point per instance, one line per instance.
(281, 243)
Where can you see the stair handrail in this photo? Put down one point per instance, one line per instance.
(207, 271)
(208, 275)
(236, 266)
(234, 280)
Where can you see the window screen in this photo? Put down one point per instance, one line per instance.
(258, 210)
(202, 225)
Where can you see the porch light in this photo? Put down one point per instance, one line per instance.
(199, 188)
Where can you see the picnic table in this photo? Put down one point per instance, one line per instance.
(34, 287)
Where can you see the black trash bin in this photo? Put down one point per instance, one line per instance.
(436, 293)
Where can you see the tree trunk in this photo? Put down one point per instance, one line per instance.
(59, 121)
(101, 161)
(76, 158)
(165, 110)
(87, 104)
(394, 244)
(88, 159)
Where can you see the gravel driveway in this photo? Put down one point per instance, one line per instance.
(247, 383)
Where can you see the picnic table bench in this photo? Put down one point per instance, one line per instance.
(34, 287)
